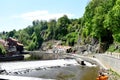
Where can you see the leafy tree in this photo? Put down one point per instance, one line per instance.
(11, 33)
(51, 29)
(42, 25)
(39, 39)
(74, 25)
(61, 29)
(112, 21)
(95, 19)
(29, 30)
(35, 22)
(23, 37)
(32, 46)
(71, 38)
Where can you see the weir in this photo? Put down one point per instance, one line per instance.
(51, 69)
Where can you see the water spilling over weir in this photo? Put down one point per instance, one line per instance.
(60, 69)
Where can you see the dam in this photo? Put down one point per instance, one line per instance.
(59, 69)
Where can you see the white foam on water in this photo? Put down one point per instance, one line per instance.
(89, 64)
(34, 64)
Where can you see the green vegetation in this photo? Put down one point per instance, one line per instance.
(33, 36)
(111, 48)
(2, 50)
(113, 75)
(100, 21)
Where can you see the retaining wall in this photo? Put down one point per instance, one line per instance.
(92, 60)
(110, 62)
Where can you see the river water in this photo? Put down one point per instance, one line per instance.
(61, 69)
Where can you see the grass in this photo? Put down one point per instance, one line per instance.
(113, 75)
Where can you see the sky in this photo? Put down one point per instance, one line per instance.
(18, 14)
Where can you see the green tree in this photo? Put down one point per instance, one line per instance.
(112, 21)
(51, 29)
(31, 46)
(61, 29)
(23, 37)
(11, 33)
(29, 30)
(71, 38)
(39, 39)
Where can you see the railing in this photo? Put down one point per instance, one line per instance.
(113, 54)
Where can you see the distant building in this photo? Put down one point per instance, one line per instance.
(15, 45)
(12, 45)
(62, 49)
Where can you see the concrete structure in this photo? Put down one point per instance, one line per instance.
(91, 60)
(110, 62)
(61, 69)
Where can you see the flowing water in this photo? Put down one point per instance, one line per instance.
(62, 69)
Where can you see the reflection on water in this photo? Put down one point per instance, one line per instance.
(65, 73)
(81, 73)
(90, 73)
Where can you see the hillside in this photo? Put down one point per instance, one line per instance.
(100, 23)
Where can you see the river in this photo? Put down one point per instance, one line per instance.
(60, 69)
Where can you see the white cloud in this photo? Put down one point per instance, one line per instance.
(42, 15)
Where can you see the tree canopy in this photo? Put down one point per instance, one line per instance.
(101, 20)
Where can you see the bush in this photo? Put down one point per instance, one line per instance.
(32, 46)
(2, 50)
(111, 48)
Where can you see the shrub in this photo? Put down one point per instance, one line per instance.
(2, 50)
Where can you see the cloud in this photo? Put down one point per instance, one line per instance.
(42, 15)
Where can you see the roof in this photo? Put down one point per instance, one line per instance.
(12, 39)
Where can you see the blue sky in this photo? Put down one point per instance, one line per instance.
(18, 14)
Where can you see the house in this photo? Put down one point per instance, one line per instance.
(13, 48)
(14, 45)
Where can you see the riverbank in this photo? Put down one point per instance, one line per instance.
(109, 61)
(113, 75)
(104, 59)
